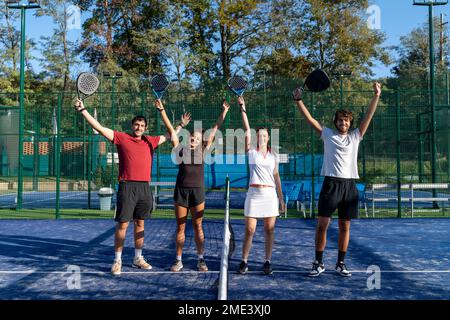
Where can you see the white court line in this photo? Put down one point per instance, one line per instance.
(146, 272)
(61, 197)
(360, 271)
(76, 194)
(155, 273)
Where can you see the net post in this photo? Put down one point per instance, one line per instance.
(223, 277)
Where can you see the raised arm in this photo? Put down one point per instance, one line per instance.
(248, 133)
(171, 133)
(276, 176)
(219, 122)
(297, 96)
(185, 119)
(364, 125)
(106, 132)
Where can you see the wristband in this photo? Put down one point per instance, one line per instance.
(81, 110)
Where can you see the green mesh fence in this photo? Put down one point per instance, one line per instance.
(65, 162)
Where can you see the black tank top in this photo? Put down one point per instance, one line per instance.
(191, 170)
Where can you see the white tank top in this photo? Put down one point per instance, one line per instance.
(262, 168)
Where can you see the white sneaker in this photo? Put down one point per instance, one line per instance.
(341, 268)
(177, 266)
(116, 268)
(317, 269)
(140, 263)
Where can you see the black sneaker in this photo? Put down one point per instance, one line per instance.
(243, 267)
(341, 268)
(267, 268)
(317, 269)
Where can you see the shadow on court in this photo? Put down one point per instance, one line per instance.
(412, 255)
(36, 255)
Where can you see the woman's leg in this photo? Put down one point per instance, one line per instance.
(269, 235)
(250, 228)
(197, 219)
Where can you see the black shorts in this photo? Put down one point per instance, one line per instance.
(188, 197)
(341, 194)
(134, 201)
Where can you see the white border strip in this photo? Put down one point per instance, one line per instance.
(142, 272)
(223, 277)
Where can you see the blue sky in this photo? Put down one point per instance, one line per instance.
(398, 18)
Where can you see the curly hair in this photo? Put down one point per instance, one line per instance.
(343, 114)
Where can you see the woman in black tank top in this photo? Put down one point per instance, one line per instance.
(189, 193)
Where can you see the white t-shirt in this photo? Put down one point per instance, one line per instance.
(262, 168)
(340, 153)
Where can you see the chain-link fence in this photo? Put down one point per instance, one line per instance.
(65, 162)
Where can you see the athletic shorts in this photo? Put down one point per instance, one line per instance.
(188, 197)
(340, 194)
(134, 201)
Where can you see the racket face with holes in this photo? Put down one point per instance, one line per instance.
(237, 85)
(317, 81)
(159, 84)
(87, 85)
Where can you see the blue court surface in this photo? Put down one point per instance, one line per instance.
(40, 259)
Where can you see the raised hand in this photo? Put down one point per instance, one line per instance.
(78, 105)
(225, 105)
(377, 88)
(159, 105)
(185, 119)
(297, 94)
(241, 102)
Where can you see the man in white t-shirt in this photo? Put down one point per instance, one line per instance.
(341, 171)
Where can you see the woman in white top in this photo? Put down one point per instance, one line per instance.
(264, 194)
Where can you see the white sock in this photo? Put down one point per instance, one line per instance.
(178, 258)
(200, 256)
(137, 253)
(118, 256)
(245, 260)
(268, 260)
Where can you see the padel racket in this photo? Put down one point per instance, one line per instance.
(159, 84)
(317, 81)
(237, 85)
(87, 84)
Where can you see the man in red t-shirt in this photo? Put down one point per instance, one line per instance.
(134, 198)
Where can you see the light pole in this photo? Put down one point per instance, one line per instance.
(430, 4)
(113, 78)
(23, 6)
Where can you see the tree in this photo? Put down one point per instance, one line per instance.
(59, 53)
(201, 35)
(412, 68)
(9, 41)
(333, 35)
(241, 24)
(99, 29)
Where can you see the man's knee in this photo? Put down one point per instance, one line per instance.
(139, 223)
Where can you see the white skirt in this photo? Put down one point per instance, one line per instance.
(261, 203)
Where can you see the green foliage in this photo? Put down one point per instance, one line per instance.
(412, 67)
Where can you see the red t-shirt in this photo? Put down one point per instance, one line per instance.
(135, 156)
